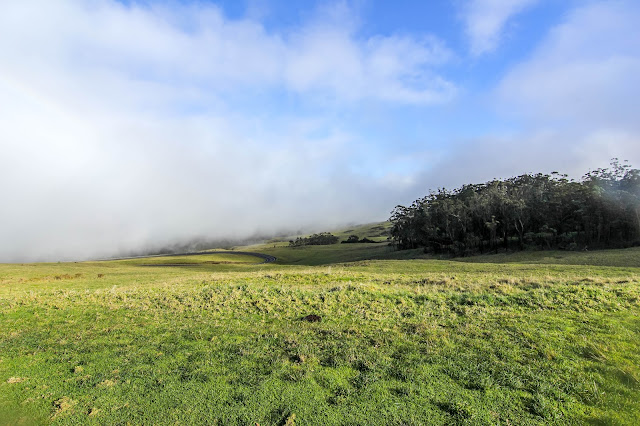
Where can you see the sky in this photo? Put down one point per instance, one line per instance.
(131, 125)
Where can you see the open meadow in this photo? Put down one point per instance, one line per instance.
(530, 338)
(188, 196)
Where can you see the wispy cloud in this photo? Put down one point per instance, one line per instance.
(485, 21)
(571, 105)
(584, 73)
(197, 45)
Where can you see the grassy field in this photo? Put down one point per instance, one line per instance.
(624, 257)
(530, 338)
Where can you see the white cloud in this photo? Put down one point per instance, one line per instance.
(570, 107)
(383, 68)
(497, 155)
(198, 45)
(485, 21)
(130, 127)
(585, 73)
(575, 99)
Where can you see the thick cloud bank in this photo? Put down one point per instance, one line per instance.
(130, 127)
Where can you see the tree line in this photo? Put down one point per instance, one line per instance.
(529, 211)
(323, 238)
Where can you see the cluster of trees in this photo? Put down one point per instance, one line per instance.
(323, 238)
(529, 211)
(354, 239)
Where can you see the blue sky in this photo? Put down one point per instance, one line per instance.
(133, 124)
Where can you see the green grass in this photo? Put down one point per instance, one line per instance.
(503, 340)
(378, 231)
(375, 231)
(624, 257)
(200, 260)
(334, 253)
(339, 253)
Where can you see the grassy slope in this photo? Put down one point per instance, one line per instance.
(338, 253)
(217, 258)
(377, 231)
(330, 254)
(400, 341)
